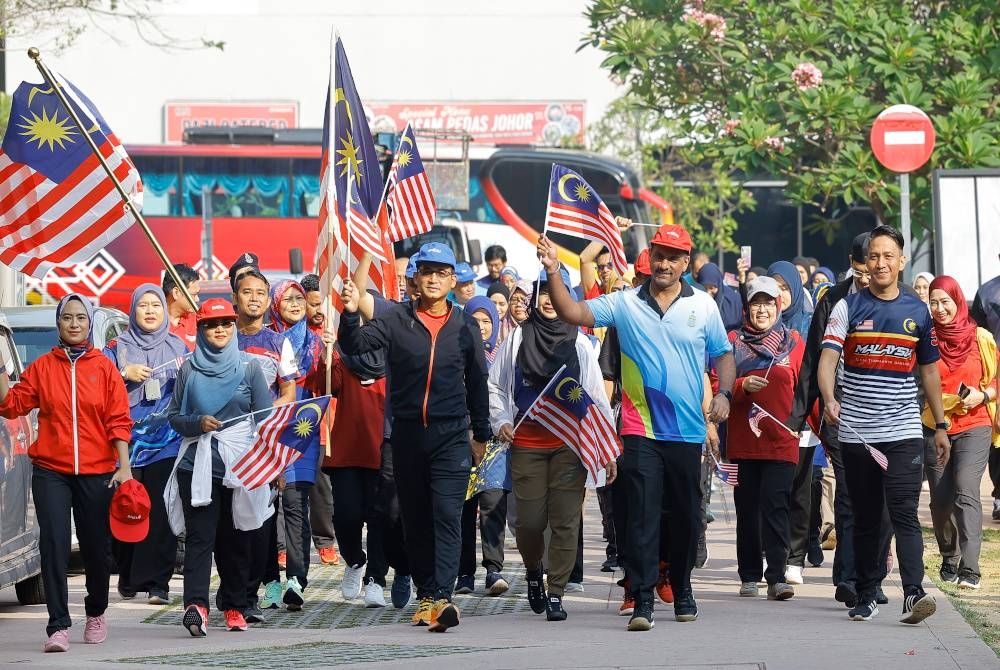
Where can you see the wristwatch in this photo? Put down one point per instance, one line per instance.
(728, 394)
(940, 426)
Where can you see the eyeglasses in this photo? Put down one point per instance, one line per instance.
(217, 323)
(763, 306)
(604, 266)
(294, 300)
(518, 301)
(439, 273)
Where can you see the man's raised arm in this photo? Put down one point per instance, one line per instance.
(568, 309)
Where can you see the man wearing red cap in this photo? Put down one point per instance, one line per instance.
(667, 331)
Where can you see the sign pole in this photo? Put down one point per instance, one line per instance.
(36, 56)
(904, 217)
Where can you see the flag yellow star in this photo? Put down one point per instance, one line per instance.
(581, 192)
(303, 427)
(47, 129)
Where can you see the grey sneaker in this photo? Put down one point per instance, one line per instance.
(780, 591)
(350, 587)
(749, 590)
(968, 581)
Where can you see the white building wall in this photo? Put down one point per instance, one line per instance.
(279, 50)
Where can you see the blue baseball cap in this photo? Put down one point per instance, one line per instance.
(435, 252)
(411, 267)
(464, 273)
(543, 276)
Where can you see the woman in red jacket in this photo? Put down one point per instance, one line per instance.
(84, 429)
(768, 357)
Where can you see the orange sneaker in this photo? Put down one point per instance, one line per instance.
(663, 588)
(328, 555)
(282, 559)
(444, 615)
(422, 617)
(235, 620)
(628, 605)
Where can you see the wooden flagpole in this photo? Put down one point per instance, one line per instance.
(35, 55)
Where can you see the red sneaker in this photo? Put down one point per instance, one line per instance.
(196, 620)
(235, 620)
(282, 559)
(663, 588)
(328, 555)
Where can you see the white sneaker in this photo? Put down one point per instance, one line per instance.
(350, 587)
(574, 587)
(374, 595)
(793, 574)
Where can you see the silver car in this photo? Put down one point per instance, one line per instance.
(35, 328)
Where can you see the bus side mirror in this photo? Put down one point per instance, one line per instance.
(295, 261)
(475, 253)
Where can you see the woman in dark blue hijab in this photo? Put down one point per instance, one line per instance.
(728, 300)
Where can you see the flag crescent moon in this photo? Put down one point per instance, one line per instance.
(405, 139)
(313, 406)
(560, 385)
(562, 187)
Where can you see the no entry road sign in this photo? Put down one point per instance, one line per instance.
(902, 138)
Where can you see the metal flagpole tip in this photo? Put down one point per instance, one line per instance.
(34, 53)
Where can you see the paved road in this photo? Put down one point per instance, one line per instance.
(810, 631)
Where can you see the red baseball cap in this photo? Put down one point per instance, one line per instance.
(130, 512)
(673, 237)
(216, 308)
(642, 263)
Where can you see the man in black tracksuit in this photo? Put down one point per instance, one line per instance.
(806, 396)
(438, 383)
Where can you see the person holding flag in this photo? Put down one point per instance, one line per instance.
(218, 384)
(768, 356)
(882, 333)
(548, 475)
(438, 388)
(666, 331)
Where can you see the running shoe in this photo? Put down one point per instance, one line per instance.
(846, 594)
(996, 509)
(815, 555)
(779, 591)
(554, 609)
(793, 574)
(328, 555)
(235, 621)
(642, 617)
(574, 587)
(196, 620)
(628, 604)
(495, 584)
(293, 595)
(465, 584)
(664, 591)
(865, 610)
(444, 615)
(95, 631)
(880, 597)
(374, 594)
(968, 581)
(749, 590)
(610, 565)
(350, 586)
(685, 608)
(125, 592)
(948, 574)
(422, 617)
(282, 559)
(701, 551)
(402, 591)
(253, 613)
(58, 641)
(917, 606)
(272, 596)
(536, 591)
(158, 597)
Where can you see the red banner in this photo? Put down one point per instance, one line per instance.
(546, 123)
(178, 116)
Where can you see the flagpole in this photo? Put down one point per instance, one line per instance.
(331, 203)
(272, 409)
(539, 397)
(545, 231)
(35, 55)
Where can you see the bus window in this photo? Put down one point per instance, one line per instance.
(160, 175)
(240, 187)
(305, 187)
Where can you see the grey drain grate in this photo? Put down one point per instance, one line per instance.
(308, 655)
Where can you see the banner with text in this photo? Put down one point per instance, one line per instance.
(178, 116)
(546, 123)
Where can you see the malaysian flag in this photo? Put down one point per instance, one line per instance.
(348, 148)
(728, 473)
(57, 204)
(282, 438)
(575, 209)
(569, 413)
(409, 191)
(878, 457)
(360, 226)
(755, 416)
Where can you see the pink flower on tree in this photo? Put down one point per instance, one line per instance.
(715, 24)
(776, 143)
(806, 76)
(730, 127)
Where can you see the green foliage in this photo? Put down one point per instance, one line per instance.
(734, 78)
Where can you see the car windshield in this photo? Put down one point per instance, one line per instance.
(33, 342)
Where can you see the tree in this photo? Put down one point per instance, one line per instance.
(791, 87)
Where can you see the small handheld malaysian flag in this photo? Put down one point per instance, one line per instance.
(877, 455)
(728, 473)
(282, 438)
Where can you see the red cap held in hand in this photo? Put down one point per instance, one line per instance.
(130, 512)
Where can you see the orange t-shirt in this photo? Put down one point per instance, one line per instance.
(970, 372)
(534, 435)
(433, 322)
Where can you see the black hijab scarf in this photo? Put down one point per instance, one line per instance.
(546, 345)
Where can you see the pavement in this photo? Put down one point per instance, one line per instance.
(499, 633)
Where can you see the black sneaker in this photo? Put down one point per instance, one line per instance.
(701, 552)
(864, 610)
(554, 610)
(610, 565)
(880, 597)
(253, 613)
(815, 555)
(968, 580)
(536, 591)
(846, 594)
(685, 608)
(495, 583)
(642, 615)
(948, 574)
(125, 592)
(917, 606)
(158, 597)
(465, 584)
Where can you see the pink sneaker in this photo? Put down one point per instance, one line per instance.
(96, 630)
(58, 641)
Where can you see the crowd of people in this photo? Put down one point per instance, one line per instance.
(788, 372)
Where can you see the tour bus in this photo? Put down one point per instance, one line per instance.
(260, 191)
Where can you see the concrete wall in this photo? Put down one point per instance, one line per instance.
(405, 50)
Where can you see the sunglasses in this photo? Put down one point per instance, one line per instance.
(604, 266)
(217, 323)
